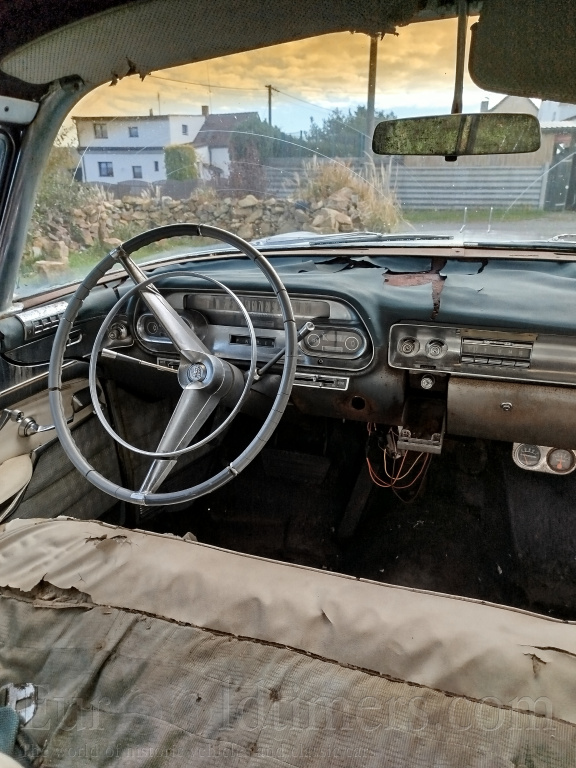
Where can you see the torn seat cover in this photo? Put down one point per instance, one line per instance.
(271, 623)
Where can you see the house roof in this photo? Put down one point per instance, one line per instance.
(218, 129)
(559, 126)
(515, 104)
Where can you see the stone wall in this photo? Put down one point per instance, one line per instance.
(107, 222)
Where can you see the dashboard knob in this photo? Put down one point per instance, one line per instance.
(435, 348)
(408, 346)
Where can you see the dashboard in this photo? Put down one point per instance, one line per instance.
(339, 341)
(486, 363)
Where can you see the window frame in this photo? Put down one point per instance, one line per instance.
(100, 130)
(184, 129)
(109, 167)
(133, 132)
(137, 169)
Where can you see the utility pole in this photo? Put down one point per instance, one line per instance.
(371, 93)
(269, 87)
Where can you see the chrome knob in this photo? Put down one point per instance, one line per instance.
(435, 348)
(408, 346)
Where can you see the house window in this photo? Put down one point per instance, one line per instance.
(184, 130)
(136, 171)
(100, 131)
(133, 131)
(105, 169)
(156, 165)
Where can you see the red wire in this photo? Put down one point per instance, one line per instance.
(396, 477)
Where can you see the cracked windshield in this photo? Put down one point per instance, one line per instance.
(277, 143)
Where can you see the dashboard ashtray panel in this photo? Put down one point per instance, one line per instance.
(542, 458)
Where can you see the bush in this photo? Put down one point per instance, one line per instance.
(181, 162)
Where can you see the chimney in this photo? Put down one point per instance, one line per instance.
(484, 105)
(205, 110)
(151, 112)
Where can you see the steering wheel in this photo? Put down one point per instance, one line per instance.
(205, 379)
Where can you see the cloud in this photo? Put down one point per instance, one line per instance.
(415, 71)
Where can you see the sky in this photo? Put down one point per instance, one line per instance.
(311, 77)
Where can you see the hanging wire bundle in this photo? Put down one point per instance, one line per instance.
(403, 469)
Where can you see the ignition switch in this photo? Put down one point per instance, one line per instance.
(118, 332)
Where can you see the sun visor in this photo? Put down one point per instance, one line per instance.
(155, 34)
(526, 48)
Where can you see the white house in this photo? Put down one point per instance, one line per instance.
(212, 142)
(556, 110)
(117, 149)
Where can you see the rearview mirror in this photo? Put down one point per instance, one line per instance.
(452, 135)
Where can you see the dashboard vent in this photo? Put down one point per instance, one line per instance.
(511, 354)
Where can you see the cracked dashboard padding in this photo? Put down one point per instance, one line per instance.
(528, 296)
(455, 645)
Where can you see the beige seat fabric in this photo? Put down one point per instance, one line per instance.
(508, 657)
(118, 688)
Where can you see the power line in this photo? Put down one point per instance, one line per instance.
(203, 85)
(256, 88)
(310, 103)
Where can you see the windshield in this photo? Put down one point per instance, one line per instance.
(278, 141)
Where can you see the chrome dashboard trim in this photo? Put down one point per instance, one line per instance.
(217, 336)
(532, 357)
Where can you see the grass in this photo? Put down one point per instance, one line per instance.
(449, 215)
(80, 262)
(376, 203)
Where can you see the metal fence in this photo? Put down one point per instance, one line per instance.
(458, 187)
(448, 188)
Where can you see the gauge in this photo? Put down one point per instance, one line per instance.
(560, 460)
(313, 340)
(153, 328)
(339, 342)
(528, 455)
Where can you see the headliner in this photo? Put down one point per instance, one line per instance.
(219, 27)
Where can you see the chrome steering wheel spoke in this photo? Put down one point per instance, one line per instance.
(191, 413)
(180, 334)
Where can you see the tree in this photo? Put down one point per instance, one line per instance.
(256, 137)
(181, 162)
(342, 134)
(251, 147)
